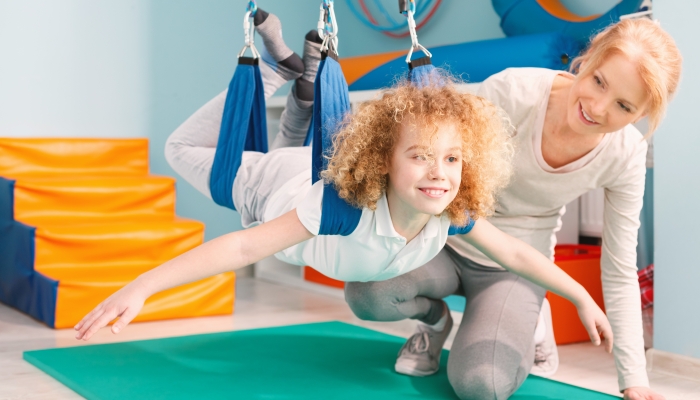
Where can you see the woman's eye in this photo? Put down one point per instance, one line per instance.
(597, 81)
(420, 157)
(452, 159)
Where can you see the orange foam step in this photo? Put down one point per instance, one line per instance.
(52, 157)
(114, 245)
(210, 296)
(50, 200)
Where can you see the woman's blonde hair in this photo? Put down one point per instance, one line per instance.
(366, 140)
(643, 42)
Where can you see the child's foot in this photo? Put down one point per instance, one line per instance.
(285, 65)
(420, 356)
(311, 59)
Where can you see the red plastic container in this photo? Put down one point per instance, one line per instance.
(581, 262)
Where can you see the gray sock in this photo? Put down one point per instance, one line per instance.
(311, 58)
(287, 63)
(312, 55)
(436, 309)
(294, 122)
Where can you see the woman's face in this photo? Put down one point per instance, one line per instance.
(608, 99)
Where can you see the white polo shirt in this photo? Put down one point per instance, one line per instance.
(373, 252)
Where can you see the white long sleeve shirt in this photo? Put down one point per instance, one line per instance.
(530, 208)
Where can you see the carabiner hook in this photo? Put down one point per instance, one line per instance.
(328, 27)
(414, 36)
(252, 7)
(249, 31)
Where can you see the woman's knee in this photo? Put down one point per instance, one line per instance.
(368, 300)
(474, 379)
(480, 384)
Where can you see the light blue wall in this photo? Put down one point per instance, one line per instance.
(73, 68)
(677, 195)
(193, 55)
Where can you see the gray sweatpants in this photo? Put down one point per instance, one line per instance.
(191, 148)
(493, 349)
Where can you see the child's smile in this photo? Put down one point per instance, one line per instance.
(435, 193)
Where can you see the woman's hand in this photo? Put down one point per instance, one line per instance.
(642, 393)
(596, 323)
(125, 304)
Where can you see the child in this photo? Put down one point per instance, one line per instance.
(416, 160)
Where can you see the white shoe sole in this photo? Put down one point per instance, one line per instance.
(406, 368)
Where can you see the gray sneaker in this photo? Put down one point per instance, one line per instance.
(420, 356)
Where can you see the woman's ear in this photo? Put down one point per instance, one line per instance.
(641, 117)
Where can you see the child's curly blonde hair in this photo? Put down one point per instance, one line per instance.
(366, 140)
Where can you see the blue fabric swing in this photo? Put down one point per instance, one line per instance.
(243, 128)
(331, 104)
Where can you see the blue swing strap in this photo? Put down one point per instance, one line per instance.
(419, 62)
(331, 103)
(243, 128)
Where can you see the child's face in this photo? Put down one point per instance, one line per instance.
(424, 179)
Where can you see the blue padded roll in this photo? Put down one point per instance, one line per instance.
(523, 17)
(331, 103)
(476, 61)
(243, 128)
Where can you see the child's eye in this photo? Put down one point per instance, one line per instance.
(597, 81)
(452, 159)
(421, 157)
(624, 107)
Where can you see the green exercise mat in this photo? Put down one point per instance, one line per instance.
(330, 360)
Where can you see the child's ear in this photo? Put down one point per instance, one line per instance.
(384, 168)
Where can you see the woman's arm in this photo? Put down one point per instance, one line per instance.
(522, 259)
(228, 252)
(618, 264)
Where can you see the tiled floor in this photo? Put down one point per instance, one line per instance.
(262, 304)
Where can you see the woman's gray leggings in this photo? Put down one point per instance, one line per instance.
(493, 350)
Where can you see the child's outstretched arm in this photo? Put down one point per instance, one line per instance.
(522, 259)
(228, 252)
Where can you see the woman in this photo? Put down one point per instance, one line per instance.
(573, 134)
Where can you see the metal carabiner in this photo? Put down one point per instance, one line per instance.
(414, 36)
(249, 31)
(252, 7)
(329, 25)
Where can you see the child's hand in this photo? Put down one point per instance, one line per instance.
(125, 304)
(596, 323)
